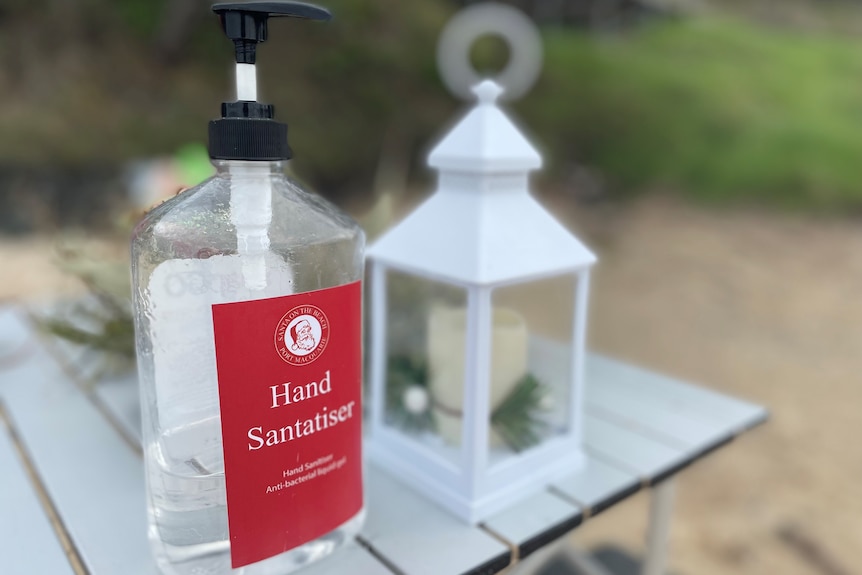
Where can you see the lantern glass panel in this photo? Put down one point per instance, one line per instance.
(425, 347)
(531, 363)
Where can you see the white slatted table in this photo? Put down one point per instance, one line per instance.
(72, 481)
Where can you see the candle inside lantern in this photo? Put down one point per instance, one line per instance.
(447, 339)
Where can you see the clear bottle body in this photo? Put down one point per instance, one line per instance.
(248, 233)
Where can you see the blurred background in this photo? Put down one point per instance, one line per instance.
(709, 150)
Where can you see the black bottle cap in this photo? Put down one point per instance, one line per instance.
(247, 129)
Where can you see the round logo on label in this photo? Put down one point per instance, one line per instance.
(302, 334)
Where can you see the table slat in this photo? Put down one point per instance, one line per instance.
(28, 543)
(119, 395)
(94, 480)
(597, 485)
(629, 450)
(352, 559)
(535, 521)
(420, 538)
(697, 402)
(652, 415)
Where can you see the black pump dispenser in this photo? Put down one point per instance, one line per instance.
(247, 129)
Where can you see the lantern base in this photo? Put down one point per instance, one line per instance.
(439, 487)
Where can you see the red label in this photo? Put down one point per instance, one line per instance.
(289, 390)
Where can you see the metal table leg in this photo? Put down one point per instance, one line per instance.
(661, 509)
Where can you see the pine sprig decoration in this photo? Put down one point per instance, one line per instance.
(516, 420)
(113, 335)
(101, 323)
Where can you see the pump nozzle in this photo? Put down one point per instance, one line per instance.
(247, 130)
(246, 22)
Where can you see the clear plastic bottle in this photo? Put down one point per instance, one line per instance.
(220, 273)
(185, 259)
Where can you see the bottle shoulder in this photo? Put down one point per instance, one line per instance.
(200, 218)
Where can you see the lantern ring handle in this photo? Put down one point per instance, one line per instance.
(495, 19)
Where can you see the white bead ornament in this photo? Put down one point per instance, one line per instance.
(416, 400)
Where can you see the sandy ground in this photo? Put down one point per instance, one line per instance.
(766, 308)
(29, 270)
(761, 306)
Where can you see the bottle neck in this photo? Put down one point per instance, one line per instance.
(246, 168)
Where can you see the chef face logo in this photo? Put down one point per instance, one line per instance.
(302, 334)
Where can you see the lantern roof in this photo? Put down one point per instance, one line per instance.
(482, 226)
(485, 140)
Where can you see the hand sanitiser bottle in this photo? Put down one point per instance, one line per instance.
(247, 303)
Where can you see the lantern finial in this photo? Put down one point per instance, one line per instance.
(487, 91)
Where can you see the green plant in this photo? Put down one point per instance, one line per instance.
(724, 110)
(100, 324)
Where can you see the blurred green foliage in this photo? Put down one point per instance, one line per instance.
(140, 16)
(104, 82)
(719, 109)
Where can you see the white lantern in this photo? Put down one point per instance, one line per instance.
(478, 312)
